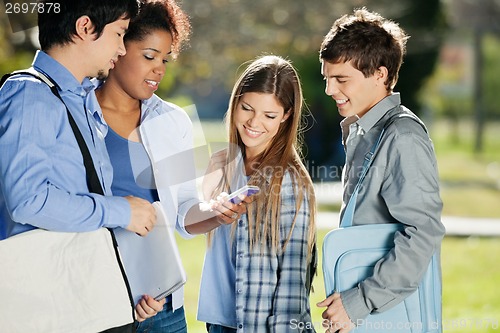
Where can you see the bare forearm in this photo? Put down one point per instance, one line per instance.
(200, 219)
(200, 222)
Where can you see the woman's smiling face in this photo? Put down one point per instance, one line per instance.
(141, 70)
(257, 118)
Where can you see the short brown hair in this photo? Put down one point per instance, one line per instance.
(369, 41)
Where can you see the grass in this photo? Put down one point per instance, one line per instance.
(471, 297)
(470, 291)
(470, 180)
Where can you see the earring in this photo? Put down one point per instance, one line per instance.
(282, 121)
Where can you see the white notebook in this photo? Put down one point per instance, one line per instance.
(152, 263)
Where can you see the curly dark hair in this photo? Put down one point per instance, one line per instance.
(160, 15)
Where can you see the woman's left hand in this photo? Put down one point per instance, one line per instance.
(148, 307)
(228, 212)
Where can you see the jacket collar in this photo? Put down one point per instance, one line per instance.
(378, 111)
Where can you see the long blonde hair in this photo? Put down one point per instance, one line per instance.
(272, 75)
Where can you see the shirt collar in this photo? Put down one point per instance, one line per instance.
(378, 111)
(346, 122)
(93, 108)
(150, 107)
(345, 125)
(60, 74)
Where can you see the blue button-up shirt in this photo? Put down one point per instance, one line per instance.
(42, 175)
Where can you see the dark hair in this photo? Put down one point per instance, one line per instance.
(367, 40)
(163, 15)
(57, 27)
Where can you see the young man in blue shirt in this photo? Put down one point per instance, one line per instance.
(42, 175)
(43, 181)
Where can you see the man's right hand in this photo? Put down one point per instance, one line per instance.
(142, 217)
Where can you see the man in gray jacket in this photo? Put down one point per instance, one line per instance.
(361, 57)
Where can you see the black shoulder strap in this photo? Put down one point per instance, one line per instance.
(93, 182)
(311, 269)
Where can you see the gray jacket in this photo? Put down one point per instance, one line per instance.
(401, 186)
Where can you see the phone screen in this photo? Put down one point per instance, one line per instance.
(247, 190)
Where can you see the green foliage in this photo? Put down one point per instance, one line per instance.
(470, 182)
(20, 61)
(12, 57)
(426, 26)
(449, 91)
(227, 33)
(491, 70)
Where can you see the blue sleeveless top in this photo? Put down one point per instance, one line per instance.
(132, 171)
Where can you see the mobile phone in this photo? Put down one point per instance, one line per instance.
(247, 190)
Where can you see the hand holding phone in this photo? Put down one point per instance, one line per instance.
(247, 190)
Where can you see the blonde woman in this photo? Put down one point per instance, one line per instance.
(256, 275)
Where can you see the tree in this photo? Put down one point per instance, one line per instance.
(479, 17)
(15, 44)
(491, 78)
(227, 33)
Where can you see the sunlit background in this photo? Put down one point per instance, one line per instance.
(450, 78)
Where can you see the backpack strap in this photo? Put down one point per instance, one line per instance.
(348, 216)
(311, 269)
(93, 181)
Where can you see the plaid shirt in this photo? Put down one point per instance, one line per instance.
(270, 288)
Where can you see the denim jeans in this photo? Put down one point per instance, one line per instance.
(165, 321)
(211, 328)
